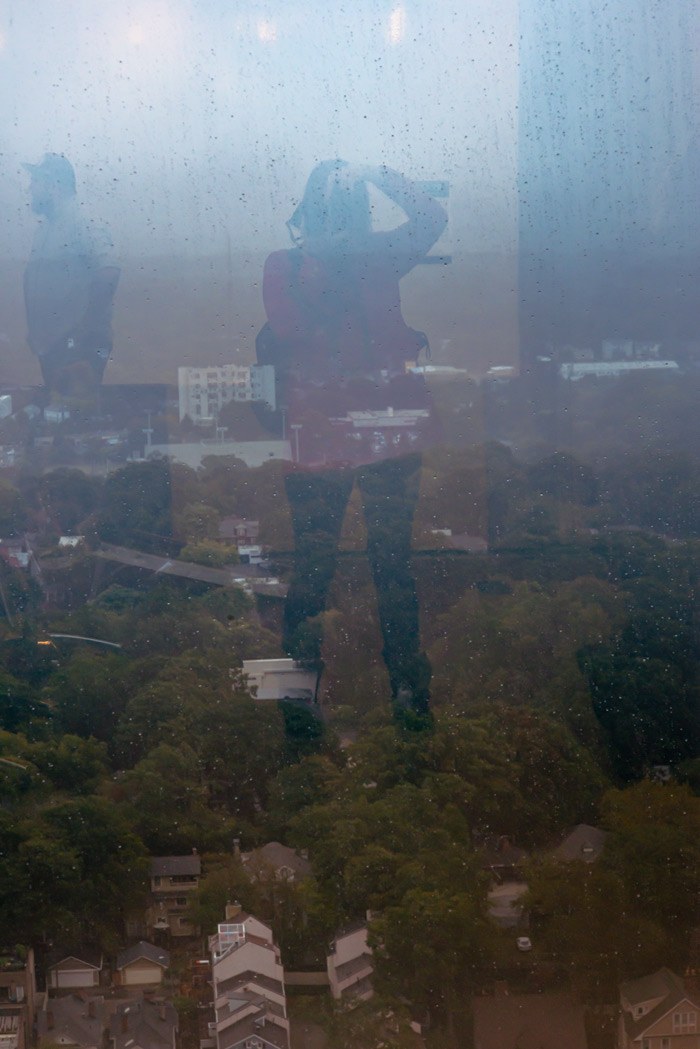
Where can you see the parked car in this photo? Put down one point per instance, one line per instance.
(524, 943)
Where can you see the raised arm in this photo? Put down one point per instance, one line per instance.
(411, 241)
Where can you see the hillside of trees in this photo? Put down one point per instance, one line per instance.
(564, 665)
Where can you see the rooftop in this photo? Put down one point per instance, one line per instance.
(167, 866)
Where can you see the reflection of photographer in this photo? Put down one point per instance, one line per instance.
(69, 284)
(333, 303)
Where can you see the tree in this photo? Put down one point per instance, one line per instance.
(166, 803)
(654, 848)
(88, 694)
(68, 497)
(581, 916)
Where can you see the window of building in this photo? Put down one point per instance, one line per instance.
(684, 1022)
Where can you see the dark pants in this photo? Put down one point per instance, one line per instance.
(318, 502)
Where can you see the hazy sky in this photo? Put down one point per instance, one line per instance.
(193, 121)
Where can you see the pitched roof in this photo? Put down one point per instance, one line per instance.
(85, 957)
(276, 855)
(149, 1025)
(583, 843)
(143, 949)
(663, 982)
(167, 866)
(656, 985)
(69, 1020)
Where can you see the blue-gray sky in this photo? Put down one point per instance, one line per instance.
(189, 118)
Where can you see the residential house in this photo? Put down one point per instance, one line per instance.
(239, 529)
(583, 843)
(17, 997)
(74, 1020)
(143, 1024)
(275, 861)
(73, 971)
(250, 1006)
(349, 964)
(173, 880)
(142, 965)
(659, 1011)
(528, 1021)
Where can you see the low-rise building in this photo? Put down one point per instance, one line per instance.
(250, 1006)
(659, 1011)
(612, 369)
(75, 1021)
(350, 965)
(173, 880)
(77, 971)
(584, 843)
(279, 679)
(276, 861)
(141, 965)
(143, 1024)
(193, 453)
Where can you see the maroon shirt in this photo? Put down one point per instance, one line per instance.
(335, 312)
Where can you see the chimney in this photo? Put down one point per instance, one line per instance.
(125, 1021)
(233, 910)
(161, 1011)
(91, 1009)
(49, 1020)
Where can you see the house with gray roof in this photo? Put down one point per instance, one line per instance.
(277, 861)
(141, 965)
(583, 843)
(79, 970)
(74, 1020)
(143, 1024)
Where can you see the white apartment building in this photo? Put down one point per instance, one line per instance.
(204, 391)
(250, 1006)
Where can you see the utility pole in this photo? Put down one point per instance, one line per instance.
(296, 427)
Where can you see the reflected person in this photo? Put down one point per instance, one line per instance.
(69, 285)
(334, 314)
(332, 301)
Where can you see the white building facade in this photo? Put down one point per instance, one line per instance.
(250, 1006)
(204, 391)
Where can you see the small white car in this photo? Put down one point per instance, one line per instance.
(524, 943)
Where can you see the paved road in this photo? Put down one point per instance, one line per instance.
(307, 1035)
(242, 575)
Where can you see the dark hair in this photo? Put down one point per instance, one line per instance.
(331, 204)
